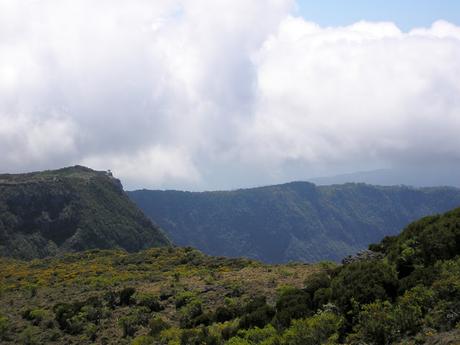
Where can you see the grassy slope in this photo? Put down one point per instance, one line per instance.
(169, 271)
(294, 221)
(411, 296)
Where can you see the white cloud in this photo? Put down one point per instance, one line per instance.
(27, 141)
(362, 93)
(147, 167)
(206, 94)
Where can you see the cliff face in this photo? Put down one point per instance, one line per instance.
(70, 209)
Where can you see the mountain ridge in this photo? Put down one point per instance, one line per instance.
(295, 221)
(70, 209)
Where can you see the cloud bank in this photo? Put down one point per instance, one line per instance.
(221, 94)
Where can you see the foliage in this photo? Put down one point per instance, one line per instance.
(129, 325)
(190, 312)
(114, 297)
(148, 300)
(143, 340)
(4, 327)
(364, 282)
(71, 209)
(126, 296)
(291, 222)
(292, 304)
(157, 324)
(321, 328)
(257, 313)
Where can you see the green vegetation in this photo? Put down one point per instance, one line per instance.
(179, 296)
(71, 209)
(113, 297)
(291, 222)
(408, 293)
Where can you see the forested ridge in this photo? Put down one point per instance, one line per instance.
(296, 221)
(70, 209)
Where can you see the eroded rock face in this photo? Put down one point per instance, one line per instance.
(363, 255)
(70, 209)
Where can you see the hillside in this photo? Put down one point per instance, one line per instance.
(70, 209)
(296, 221)
(179, 296)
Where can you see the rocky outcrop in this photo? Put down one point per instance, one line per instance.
(363, 255)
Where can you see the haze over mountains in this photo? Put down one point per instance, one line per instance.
(296, 221)
(417, 177)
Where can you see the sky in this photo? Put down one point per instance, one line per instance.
(406, 14)
(200, 95)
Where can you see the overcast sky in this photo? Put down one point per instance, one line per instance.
(196, 94)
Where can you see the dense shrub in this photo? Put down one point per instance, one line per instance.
(258, 317)
(364, 282)
(223, 314)
(110, 297)
(254, 304)
(36, 316)
(197, 337)
(148, 300)
(184, 298)
(126, 296)
(4, 327)
(377, 324)
(267, 335)
(30, 336)
(129, 325)
(318, 280)
(157, 325)
(319, 329)
(189, 313)
(64, 312)
(424, 242)
(143, 340)
(292, 304)
(74, 317)
(321, 297)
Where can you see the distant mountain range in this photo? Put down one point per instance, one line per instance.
(429, 176)
(293, 221)
(71, 209)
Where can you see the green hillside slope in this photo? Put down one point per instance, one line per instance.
(294, 221)
(407, 295)
(70, 209)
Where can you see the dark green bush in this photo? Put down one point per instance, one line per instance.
(110, 297)
(64, 312)
(223, 314)
(292, 304)
(364, 282)
(184, 298)
(189, 313)
(255, 303)
(321, 297)
(318, 280)
(129, 325)
(126, 296)
(4, 327)
(150, 301)
(198, 337)
(257, 318)
(377, 324)
(156, 325)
